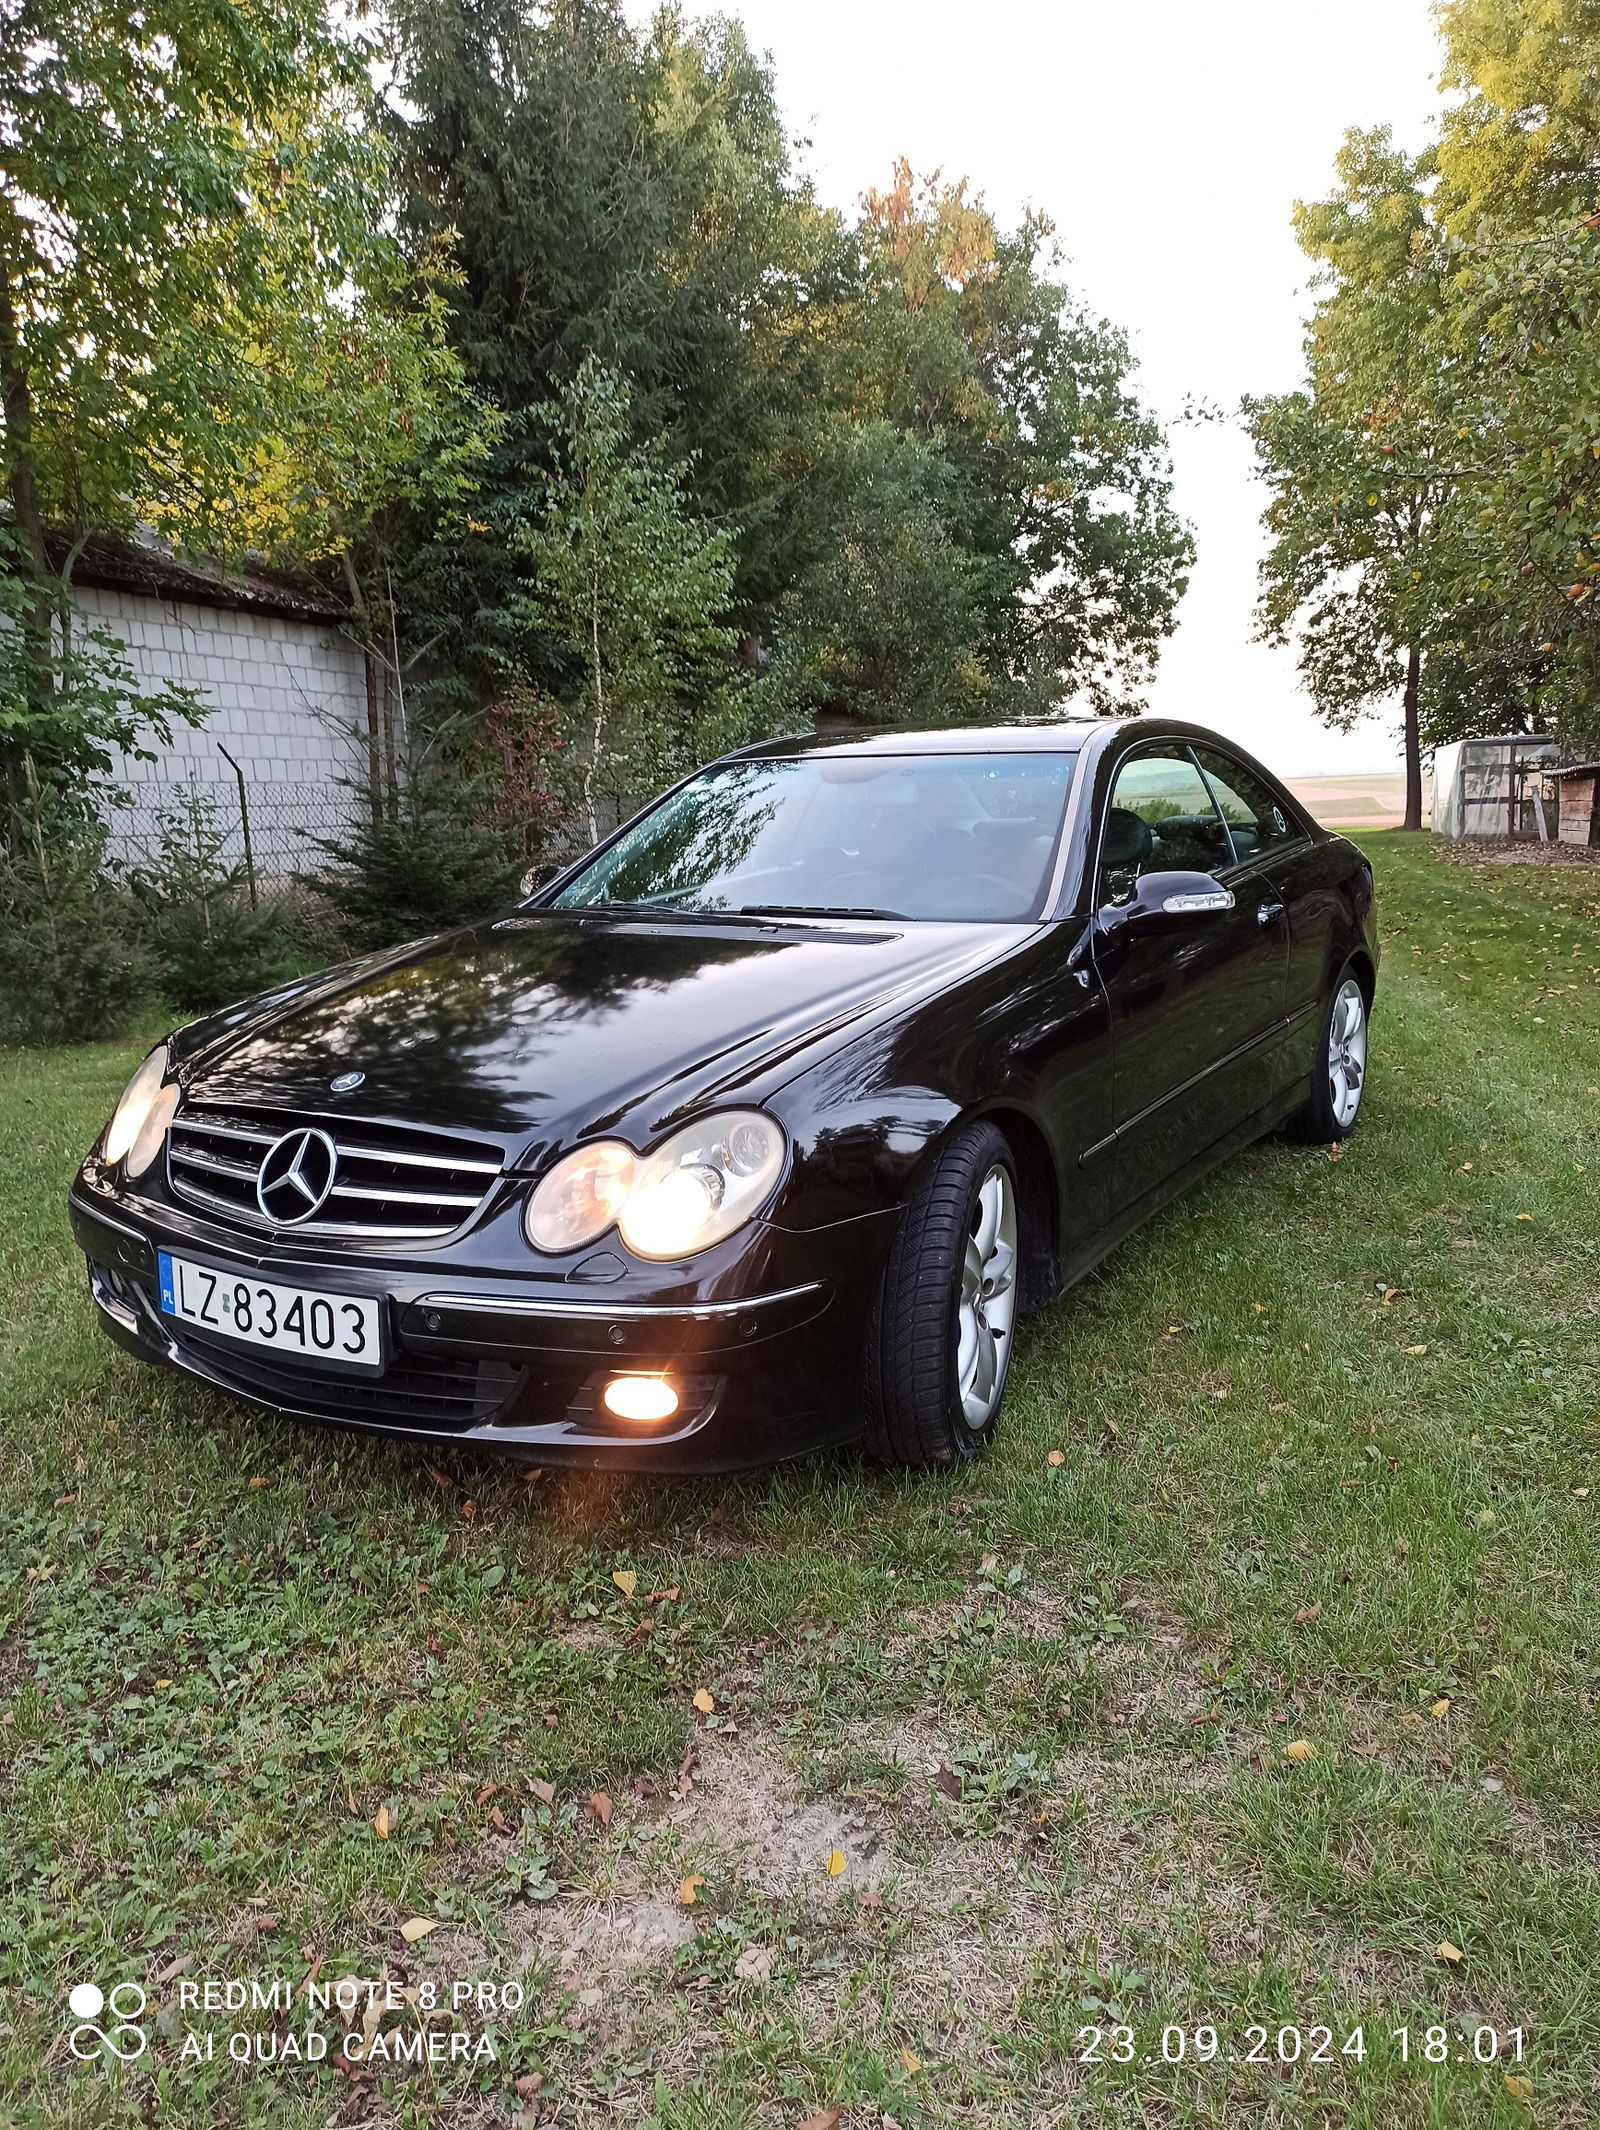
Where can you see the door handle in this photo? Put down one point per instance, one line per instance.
(1266, 911)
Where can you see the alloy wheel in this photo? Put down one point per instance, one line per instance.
(1347, 1052)
(988, 1303)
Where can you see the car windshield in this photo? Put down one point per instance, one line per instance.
(950, 836)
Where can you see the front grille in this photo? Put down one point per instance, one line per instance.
(389, 1182)
(415, 1390)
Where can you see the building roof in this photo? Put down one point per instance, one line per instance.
(150, 569)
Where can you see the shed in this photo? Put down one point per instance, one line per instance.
(1499, 786)
(1579, 786)
(284, 682)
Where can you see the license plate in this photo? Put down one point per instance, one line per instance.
(346, 1329)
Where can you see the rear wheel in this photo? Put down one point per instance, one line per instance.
(1338, 1067)
(939, 1345)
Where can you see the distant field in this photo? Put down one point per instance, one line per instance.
(1358, 802)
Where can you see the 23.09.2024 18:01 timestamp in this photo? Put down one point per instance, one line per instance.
(1296, 2044)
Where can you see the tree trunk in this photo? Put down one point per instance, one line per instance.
(22, 486)
(1413, 744)
(369, 673)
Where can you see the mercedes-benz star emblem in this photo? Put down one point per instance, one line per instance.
(344, 1081)
(296, 1175)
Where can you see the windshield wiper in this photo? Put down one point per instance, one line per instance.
(814, 909)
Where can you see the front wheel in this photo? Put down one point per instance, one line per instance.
(1338, 1067)
(939, 1345)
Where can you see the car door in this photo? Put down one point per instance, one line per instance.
(1194, 998)
(1272, 846)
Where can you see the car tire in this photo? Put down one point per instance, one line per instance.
(1338, 1066)
(944, 1323)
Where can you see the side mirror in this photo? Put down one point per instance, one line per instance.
(1158, 899)
(1159, 895)
(536, 876)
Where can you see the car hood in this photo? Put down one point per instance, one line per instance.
(550, 1025)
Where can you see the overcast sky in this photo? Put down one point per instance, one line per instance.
(1168, 141)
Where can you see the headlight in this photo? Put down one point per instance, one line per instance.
(703, 1183)
(581, 1197)
(139, 1122)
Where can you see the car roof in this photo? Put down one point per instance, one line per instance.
(1013, 735)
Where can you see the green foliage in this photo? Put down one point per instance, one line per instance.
(66, 703)
(73, 963)
(891, 620)
(635, 589)
(430, 865)
(210, 941)
(1457, 336)
(205, 324)
(915, 386)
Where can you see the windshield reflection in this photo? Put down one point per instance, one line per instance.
(963, 837)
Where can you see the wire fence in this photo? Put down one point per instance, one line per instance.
(266, 833)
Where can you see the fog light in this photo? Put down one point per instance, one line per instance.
(640, 1398)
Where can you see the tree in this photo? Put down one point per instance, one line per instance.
(637, 590)
(1519, 192)
(892, 620)
(1363, 463)
(195, 290)
(1064, 492)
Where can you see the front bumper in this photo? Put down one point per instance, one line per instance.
(499, 1361)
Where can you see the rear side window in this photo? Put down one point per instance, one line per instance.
(1161, 819)
(1257, 819)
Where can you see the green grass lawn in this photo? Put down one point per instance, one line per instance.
(990, 1762)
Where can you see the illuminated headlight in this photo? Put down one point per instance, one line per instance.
(705, 1182)
(139, 1122)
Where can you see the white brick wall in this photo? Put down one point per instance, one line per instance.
(287, 701)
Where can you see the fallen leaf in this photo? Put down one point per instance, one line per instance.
(754, 1964)
(1336, 1151)
(626, 1581)
(836, 1862)
(264, 1923)
(418, 1927)
(1518, 2087)
(665, 1597)
(385, 1821)
(440, 1479)
(869, 1899)
(1440, 1708)
(1390, 1294)
(600, 1806)
(260, 1483)
(1308, 1612)
(469, 1509)
(1446, 1951)
(528, 2084)
(1106, 1421)
(1419, 1350)
(1300, 1749)
(827, 2120)
(947, 1780)
(689, 1888)
(703, 1701)
(173, 1969)
(911, 2060)
(544, 1791)
(1056, 1457)
(162, 1685)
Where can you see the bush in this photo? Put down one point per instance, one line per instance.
(433, 865)
(74, 966)
(209, 943)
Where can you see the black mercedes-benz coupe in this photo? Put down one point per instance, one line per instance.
(753, 1130)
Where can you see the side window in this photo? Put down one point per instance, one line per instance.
(1257, 821)
(1161, 819)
